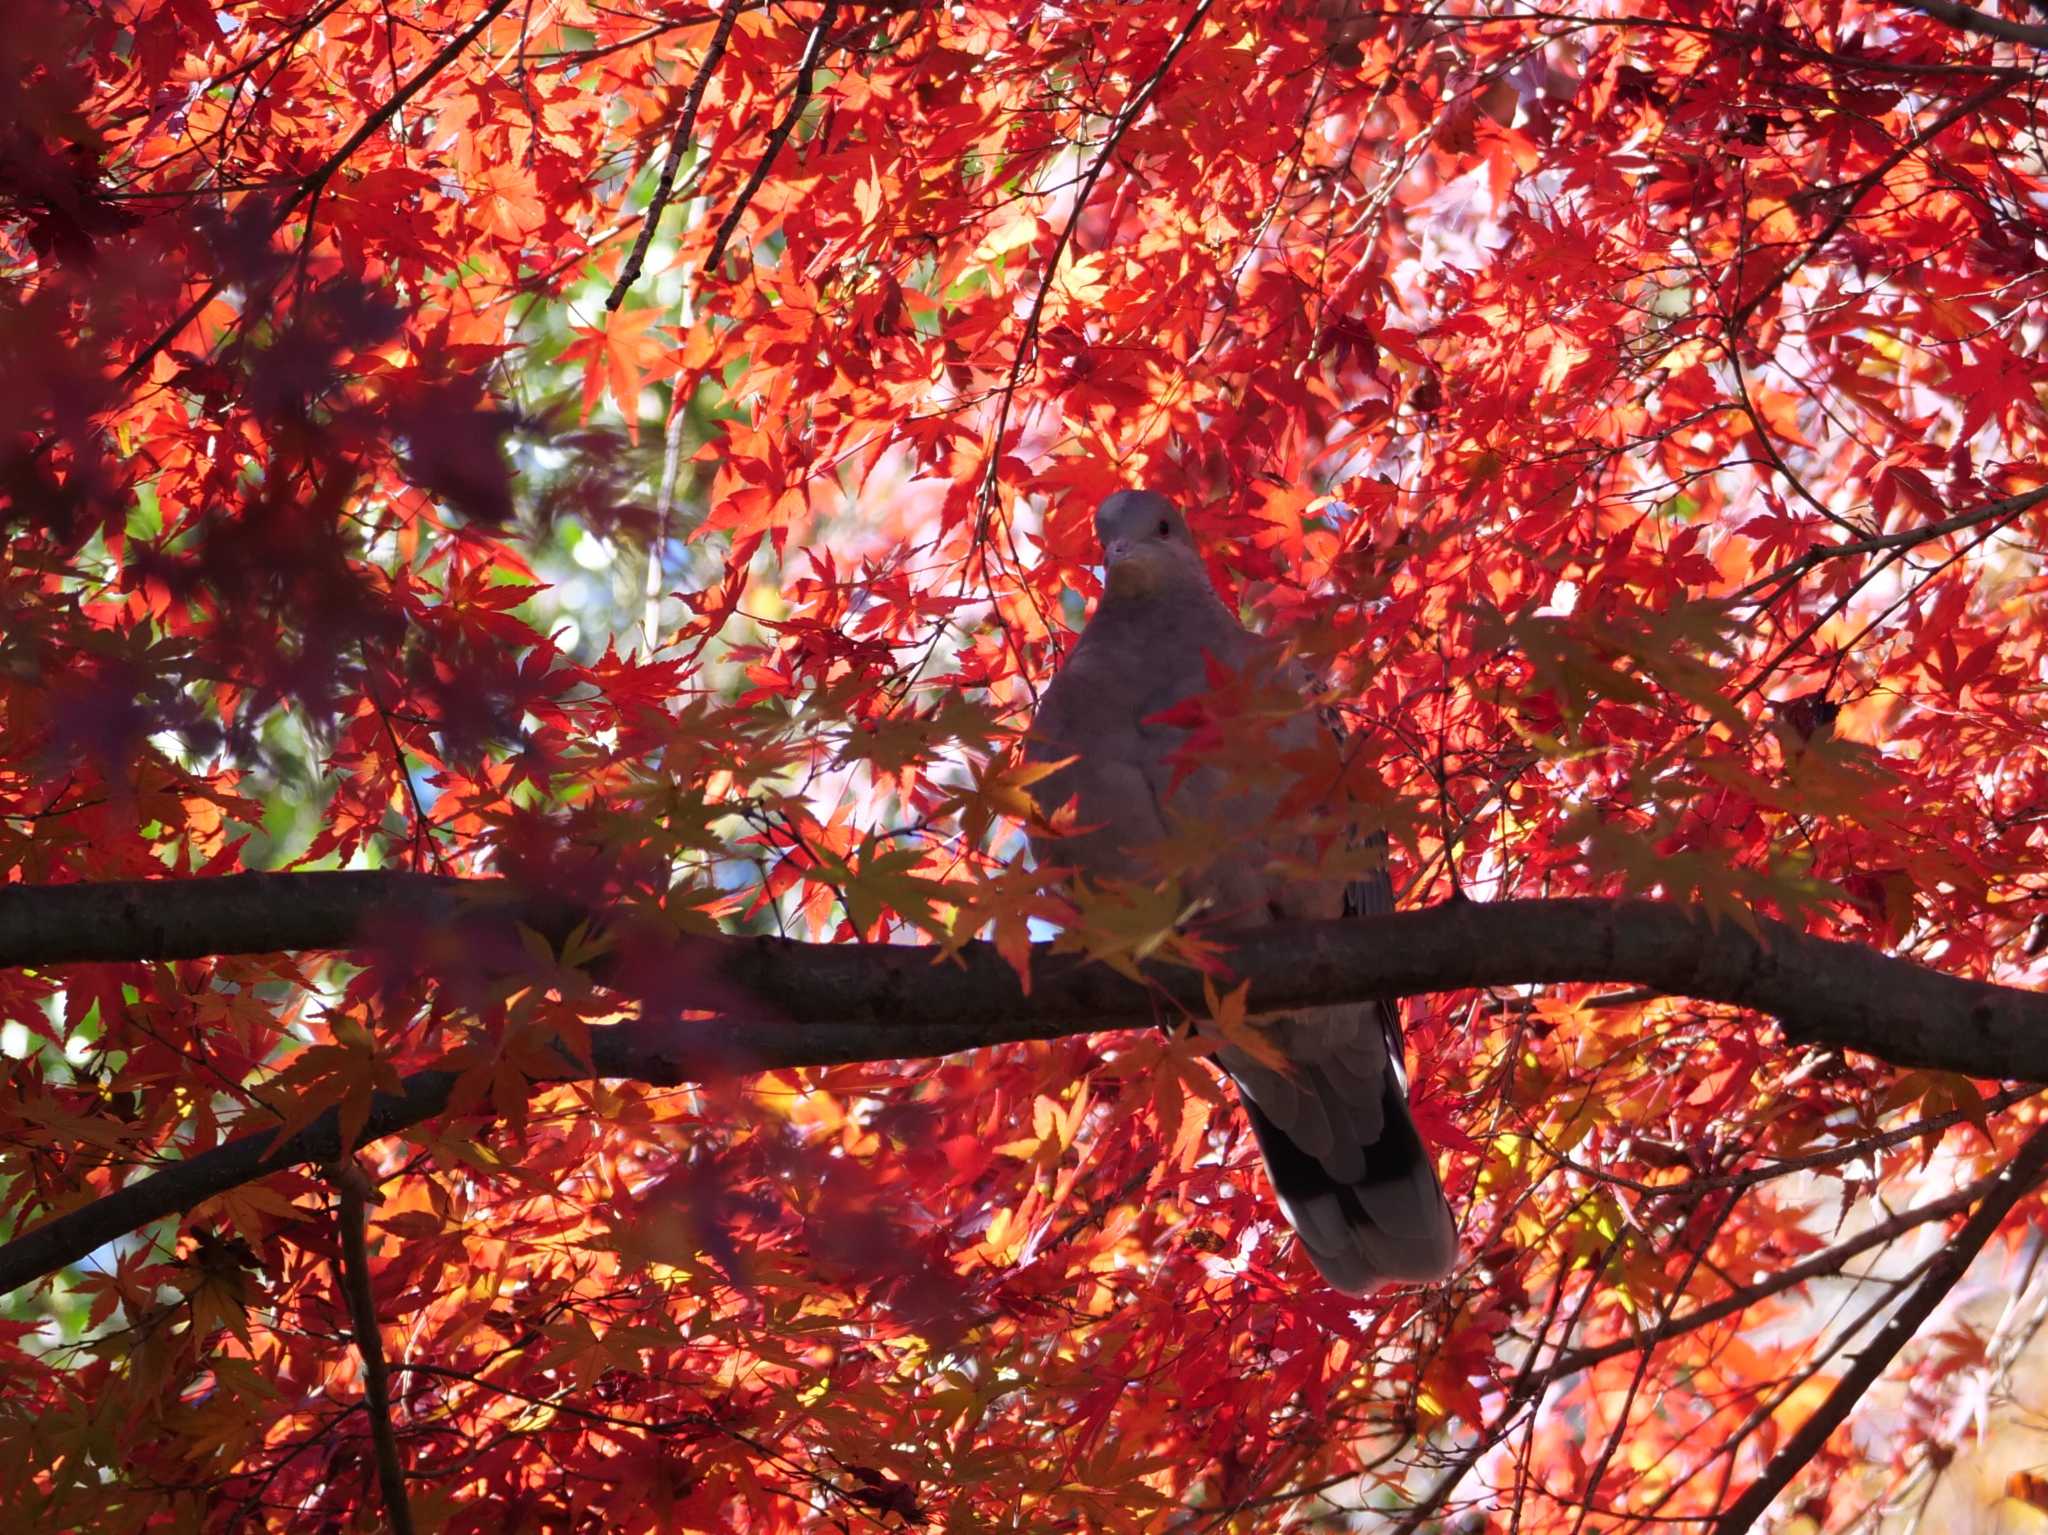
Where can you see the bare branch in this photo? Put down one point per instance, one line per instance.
(678, 141)
(353, 1186)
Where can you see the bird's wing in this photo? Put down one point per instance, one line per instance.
(1347, 1164)
(1087, 723)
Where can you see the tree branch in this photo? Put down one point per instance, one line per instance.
(353, 1268)
(799, 99)
(900, 1000)
(2014, 1184)
(1825, 1264)
(1536, 1378)
(786, 1004)
(1027, 344)
(1969, 19)
(1851, 193)
(1904, 538)
(678, 143)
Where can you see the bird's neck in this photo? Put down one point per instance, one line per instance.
(1177, 606)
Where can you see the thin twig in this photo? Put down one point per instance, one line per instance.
(1779, 1167)
(312, 184)
(1851, 193)
(1027, 344)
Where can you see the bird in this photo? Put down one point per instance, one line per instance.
(1122, 799)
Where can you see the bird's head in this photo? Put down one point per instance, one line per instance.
(1146, 547)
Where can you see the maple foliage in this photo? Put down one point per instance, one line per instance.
(647, 451)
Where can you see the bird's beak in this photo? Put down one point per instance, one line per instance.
(1129, 567)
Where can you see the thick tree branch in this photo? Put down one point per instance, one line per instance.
(786, 1004)
(903, 1000)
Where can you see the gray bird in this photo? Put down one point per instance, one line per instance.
(1349, 1170)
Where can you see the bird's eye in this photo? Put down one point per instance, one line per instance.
(1165, 528)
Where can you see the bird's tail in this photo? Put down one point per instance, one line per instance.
(1392, 1224)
